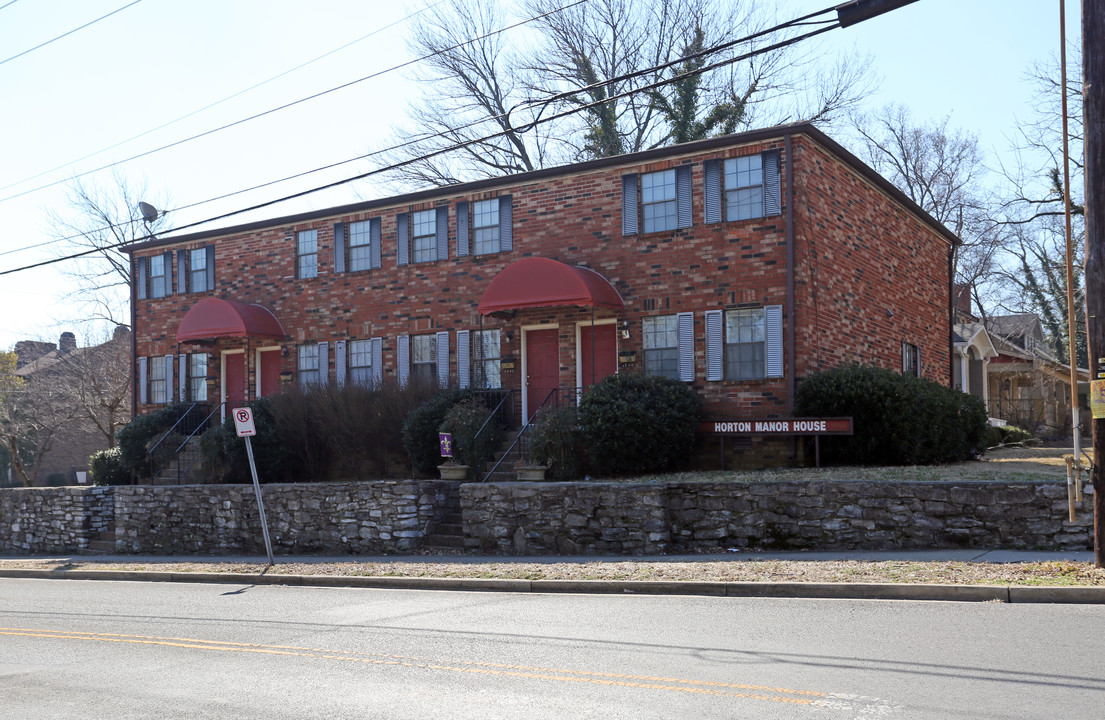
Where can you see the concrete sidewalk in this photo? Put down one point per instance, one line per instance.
(64, 570)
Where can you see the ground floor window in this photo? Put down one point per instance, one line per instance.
(488, 360)
(661, 346)
(197, 377)
(308, 366)
(911, 360)
(159, 380)
(360, 362)
(424, 356)
(744, 344)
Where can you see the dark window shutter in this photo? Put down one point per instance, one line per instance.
(630, 209)
(773, 195)
(374, 233)
(168, 377)
(168, 272)
(140, 278)
(210, 268)
(462, 228)
(339, 247)
(441, 224)
(402, 239)
(506, 223)
(182, 377)
(711, 171)
(143, 380)
(683, 217)
(181, 272)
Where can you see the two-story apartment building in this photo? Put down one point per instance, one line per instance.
(738, 264)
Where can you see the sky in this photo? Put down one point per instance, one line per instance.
(64, 104)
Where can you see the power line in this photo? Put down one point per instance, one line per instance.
(217, 102)
(544, 102)
(293, 103)
(8, 4)
(59, 37)
(442, 151)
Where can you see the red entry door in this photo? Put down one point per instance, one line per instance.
(270, 372)
(542, 366)
(604, 358)
(234, 381)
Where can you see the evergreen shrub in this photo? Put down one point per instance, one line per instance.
(638, 424)
(421, 427)
(106, 467)
(897, 419)
(464, 421)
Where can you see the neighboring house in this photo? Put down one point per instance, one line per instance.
(1028, 386)
(82, 380)
(738, 265)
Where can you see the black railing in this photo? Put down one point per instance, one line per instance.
(501, 416)
(519, 450)
(171, 456)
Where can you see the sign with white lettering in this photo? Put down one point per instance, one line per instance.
(778, 426)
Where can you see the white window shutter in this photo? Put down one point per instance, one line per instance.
(443, 358)
(377, 345)
(685, 328)
(773, 336)
(182, 377)
(323, 363)
(464, 353)
(403, 358)
(339, 362)
(168, 378)
(715, 366)
(143, 380)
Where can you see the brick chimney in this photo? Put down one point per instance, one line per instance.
(67, 343)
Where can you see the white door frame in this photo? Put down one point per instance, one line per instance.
(579, 348)
(257, 364)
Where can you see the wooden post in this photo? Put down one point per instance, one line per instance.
(1093, 78)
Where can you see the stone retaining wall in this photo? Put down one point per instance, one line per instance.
(546, 518)
(596, 518)
(53, 520)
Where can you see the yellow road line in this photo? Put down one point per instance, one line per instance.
(701, 687)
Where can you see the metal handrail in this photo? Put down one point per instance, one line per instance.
(495, 412)
(199, 426)
(555, 392)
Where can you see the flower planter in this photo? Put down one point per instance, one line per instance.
(453, 472)
(531, 473)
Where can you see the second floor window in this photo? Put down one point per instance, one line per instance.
(159, 276)
(360, 246)
(306, 258)
(658, 207)
(424, 236)
(198, 273)
(744, 188)
(485, 226)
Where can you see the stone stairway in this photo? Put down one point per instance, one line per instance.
(184, 469)
(103, 543)
(448, 536)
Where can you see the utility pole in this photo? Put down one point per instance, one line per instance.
(1093, 78)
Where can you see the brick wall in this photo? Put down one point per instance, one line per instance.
(869, 273)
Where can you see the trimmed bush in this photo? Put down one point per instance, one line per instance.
(638, 424)
(137, 437)
(897, 420)
(421, 428)
(224, 453)
(464, 421)
(556, 442)
(998, 435)
(106, 468)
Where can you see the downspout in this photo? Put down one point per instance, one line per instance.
(951, 320)
(792, 380)
(133, 342)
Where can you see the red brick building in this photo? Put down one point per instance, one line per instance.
(738, 264)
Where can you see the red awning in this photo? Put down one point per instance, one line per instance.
(214, 318)
(541, 282)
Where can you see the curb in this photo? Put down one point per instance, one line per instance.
(1089, 595)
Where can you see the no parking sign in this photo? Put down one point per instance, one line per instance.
(243, 422)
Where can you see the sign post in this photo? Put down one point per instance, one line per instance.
(244, 426)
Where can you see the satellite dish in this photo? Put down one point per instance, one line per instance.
(149, 212)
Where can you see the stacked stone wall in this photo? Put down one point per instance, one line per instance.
(53, 520)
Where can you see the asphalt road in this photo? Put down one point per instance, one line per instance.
(78, 649)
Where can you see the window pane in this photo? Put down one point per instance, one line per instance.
(197, 376)
(486, 361)
(744, 179)
(744, 344)
(658, 201)
(661, 332)
(360, 246)
(198, 261)
(360, 362)
(308, 365)
(307, 254)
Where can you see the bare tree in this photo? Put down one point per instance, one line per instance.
(99, 219)
(943, 171)
(32, 414)
(599, 58)
(97, 379)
